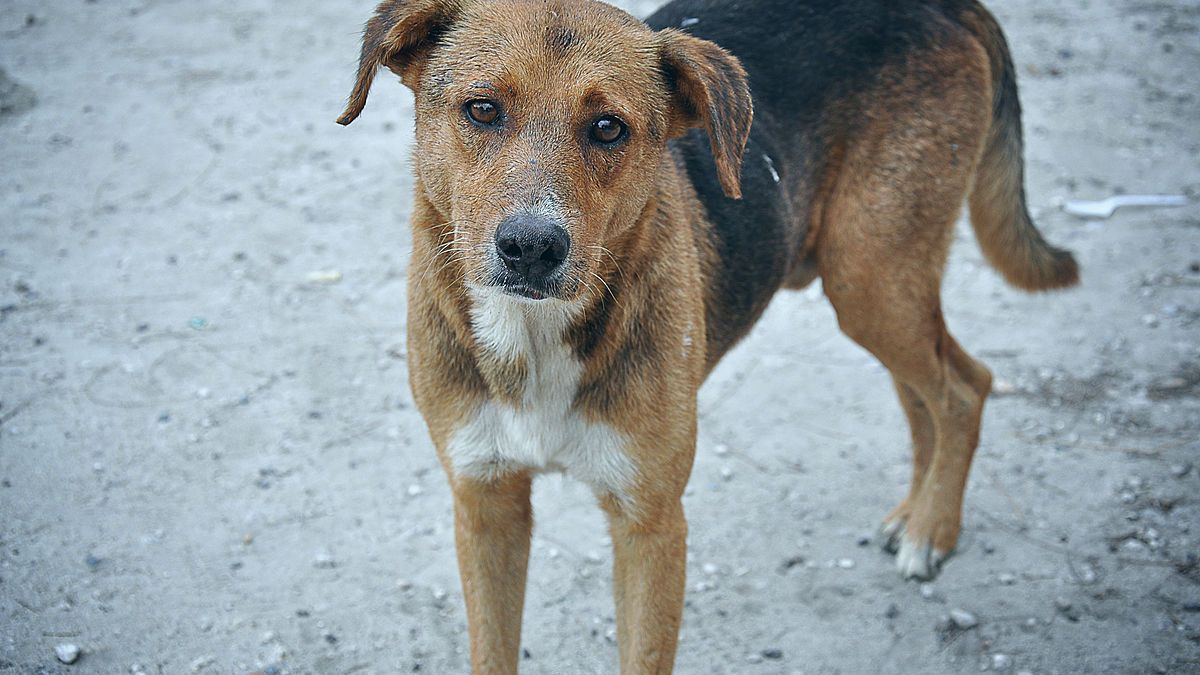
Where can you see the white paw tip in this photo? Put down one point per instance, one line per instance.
(918, 560)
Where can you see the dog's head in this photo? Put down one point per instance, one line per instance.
(541, 125)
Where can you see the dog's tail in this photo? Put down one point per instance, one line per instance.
(1010, 241)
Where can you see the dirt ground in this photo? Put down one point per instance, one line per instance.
(210, 461)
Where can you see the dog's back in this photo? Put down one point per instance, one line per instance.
(818, 73)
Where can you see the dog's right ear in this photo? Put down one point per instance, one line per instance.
(398, 36)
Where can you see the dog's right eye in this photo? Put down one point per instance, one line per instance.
(483, 111)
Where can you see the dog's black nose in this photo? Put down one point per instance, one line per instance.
(531, 245)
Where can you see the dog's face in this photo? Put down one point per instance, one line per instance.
(541, 124)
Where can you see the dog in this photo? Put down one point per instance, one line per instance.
(604, 206)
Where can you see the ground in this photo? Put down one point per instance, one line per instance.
(210, 460)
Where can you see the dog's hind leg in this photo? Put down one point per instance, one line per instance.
(941, 388)
(924, 439)
(881, 250)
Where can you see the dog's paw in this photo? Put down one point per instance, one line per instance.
(920, 543)
(889, 535)
(918, 559)
(893, 527)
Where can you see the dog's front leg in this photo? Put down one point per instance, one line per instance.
(649, 571)
(493, 520)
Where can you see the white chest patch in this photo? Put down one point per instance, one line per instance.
(545, 433)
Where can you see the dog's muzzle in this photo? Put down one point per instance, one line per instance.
(532, 249)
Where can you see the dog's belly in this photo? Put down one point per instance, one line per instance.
(543, 433)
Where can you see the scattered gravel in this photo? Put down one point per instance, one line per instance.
(167, 367)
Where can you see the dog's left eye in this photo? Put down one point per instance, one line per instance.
(607, 130)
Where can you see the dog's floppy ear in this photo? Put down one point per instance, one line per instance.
(397, 36)
(710, 90)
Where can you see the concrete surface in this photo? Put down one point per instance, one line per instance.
(210, 461)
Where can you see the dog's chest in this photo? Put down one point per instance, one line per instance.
(544, 432)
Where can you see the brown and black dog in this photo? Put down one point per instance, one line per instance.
(588, 242)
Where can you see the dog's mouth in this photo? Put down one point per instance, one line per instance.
(524, 291)
(537, 289)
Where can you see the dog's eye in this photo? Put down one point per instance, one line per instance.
(483, 111)
(607, 130)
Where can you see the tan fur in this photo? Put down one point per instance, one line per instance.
(640, 262)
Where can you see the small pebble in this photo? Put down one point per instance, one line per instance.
(415, 490)
(754, 658)
(927, 591)
(1003, 388)
(1088, 575)
(1007, 579)
(1181, 470)
(324, 561)
(67, 653)
(845, 563)
(1133, 546)
(1065, 608)
(962, 619)
(711, 569)
(324, 277)
(1001, 662)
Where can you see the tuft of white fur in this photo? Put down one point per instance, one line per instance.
(917, 559)
(544, 433)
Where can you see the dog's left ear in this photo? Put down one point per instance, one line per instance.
(398, 36)
(710, 90)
